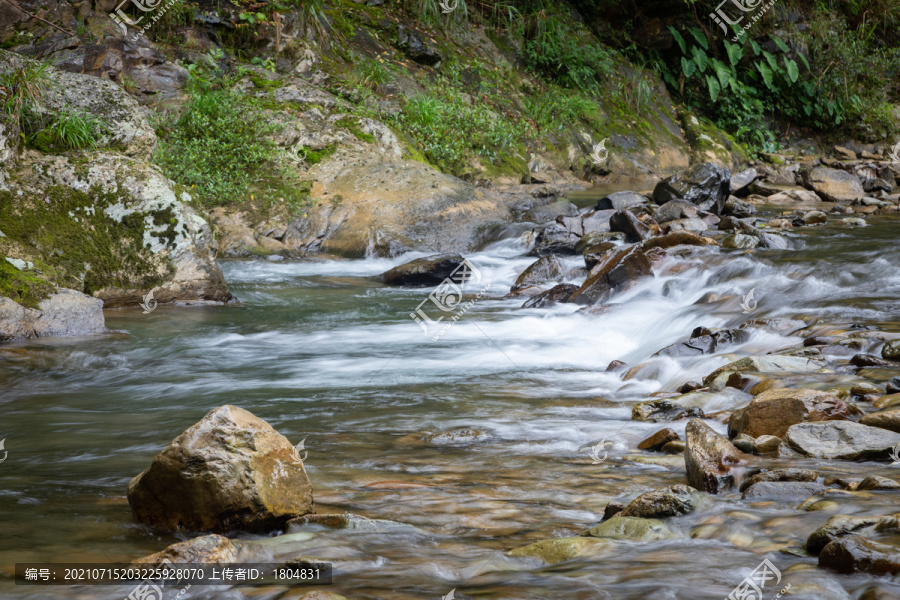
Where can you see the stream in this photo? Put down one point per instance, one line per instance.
(473, 444)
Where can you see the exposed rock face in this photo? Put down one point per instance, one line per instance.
(856, 553)
(64, 313)
(709, 458)
(839, 439)
(833, 184)
(705, 185)
(229, 471)
(211, 548)
(614, 272)
(665, 502)
(773, 411)
(423, 272)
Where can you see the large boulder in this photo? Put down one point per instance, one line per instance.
(839, 439)
(229, 471)
(675, 210)
(543, 270)
(555, 239)
(614, 272)
(423, 272)
(705, 185)
(710, 458)
(773, 411)
(63, 313)
(833, 184)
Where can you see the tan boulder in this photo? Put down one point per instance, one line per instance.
(709, 458)
(231, 470)
(773, 411)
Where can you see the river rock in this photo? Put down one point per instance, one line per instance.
(856, 553)
(229, 471)
(888, 401)
(709, 458)
(773, 411)
(692, 225)
(744, 443)
(671, 501)
(783, 490)
(667, 409)
(63, 313)
(888, 419)
(814, 217)
(423, 272)
(597, 222)
(593, 255)
(630, 225)
(621, 201)
(839, 440)
(675, 210)
(740, 182)
(612, 273)
(677, 238)
(554, 239)
(659, 439)
(800, 475)
(876, 482)
(705, 341)
(633, 529)
(558, 293)
(832, 184)
(840, 526)
(559, 550)
(544, 270)
(213, 548)
(737, 208)
(766, 444)
(740, 241)
(891, 350)
(870, 360)
(767, 364)
(772, 241)
(893, 386)
(705, 185)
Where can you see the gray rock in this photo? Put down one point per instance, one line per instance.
(412, 44)
(705, 185)
(692, 225)
(740, 182)
(597, 221)
(554, 239)
(766, 444)
(675, 210)
(783, 490)
(631, 226)
(802, 475)
(423, 272)
(740, 241)
(705, 341)
(709, 458)
(833, 185)
(671, 501)
(559, 293)
(229, 471)
(772, 241)
(743, 442)
(840, 526)
(667, 409)
(621, 201)
(841, 440)
(855, 553)
(64, 313)
(891, 350)
(738, 208)
(543, 270)
(876, 482)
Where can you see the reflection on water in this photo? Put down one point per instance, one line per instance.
(479, 442)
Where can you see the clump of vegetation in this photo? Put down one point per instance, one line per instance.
(23, 84)
(24, 287)
(567, 53)
(69, 130)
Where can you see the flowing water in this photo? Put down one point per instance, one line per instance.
(476, 443)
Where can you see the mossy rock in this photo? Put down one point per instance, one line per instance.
(557, 550)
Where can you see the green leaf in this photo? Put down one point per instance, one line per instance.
(793, 71)
(735, 52)
(700, 37)
(700, 58)
(780, 44)
(667, 77)
(723, 72)
(766, 73)
(770, 58)
(714, 88)
(678, 39)
(755, 47)
(805, 62)
(688, 67)
(807, 109)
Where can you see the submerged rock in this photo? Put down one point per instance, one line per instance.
(876, 482)
(709, 458)
(771, 363)
(839, 439)
(671, 501)
(211, 548)
(803, 475)
(423, 272)
(705, 341)
(783, 490)
(891, 350)
(559, 550)
(668, 409)
(229, 471)
(634, 529)
(840, 526)
(856, 553)
(773, 411)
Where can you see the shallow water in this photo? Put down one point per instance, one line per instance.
(325, 353)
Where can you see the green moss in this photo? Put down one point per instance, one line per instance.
(22, 286)
(316, 156)
(87, 250)
(352, 125)
(265, 84)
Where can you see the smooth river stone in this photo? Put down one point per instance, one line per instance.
(839, 439)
